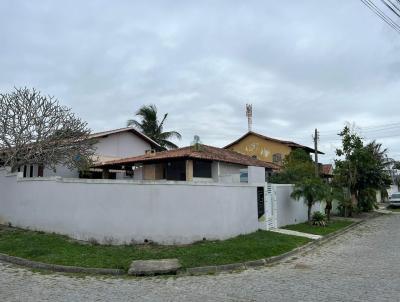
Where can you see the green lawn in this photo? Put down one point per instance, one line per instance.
(57, 249)
(332, 226)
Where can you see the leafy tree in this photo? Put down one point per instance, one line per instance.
(360, 167)
(297, 165)
(312, 189)
(153, 128)
(36, 129)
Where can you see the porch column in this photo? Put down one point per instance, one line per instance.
(189, 170)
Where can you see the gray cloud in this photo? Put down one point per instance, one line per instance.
(303, 64)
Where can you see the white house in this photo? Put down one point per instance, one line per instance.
(110, 145)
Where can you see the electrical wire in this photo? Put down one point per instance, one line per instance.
(381, 15)
(391, 8)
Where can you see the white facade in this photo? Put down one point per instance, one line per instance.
(120, 145)
(113, 146)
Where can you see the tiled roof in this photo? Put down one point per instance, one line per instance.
(288, 143)
(126, 129)
(204, 152)
(327, 169)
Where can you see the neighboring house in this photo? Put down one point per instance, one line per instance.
(110, 145)
(265, 148)
(195, 163)
(326, 172)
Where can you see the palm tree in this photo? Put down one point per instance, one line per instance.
(332, 193)
(151, 126)
(311, 189)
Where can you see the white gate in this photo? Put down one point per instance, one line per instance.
(271, 208)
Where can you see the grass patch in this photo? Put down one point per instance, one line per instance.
(58, 249)
(332, 226)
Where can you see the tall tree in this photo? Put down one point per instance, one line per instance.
(150, 125)
(36, 129)
(361, 167)
(297, 165)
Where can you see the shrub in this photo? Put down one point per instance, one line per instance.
(319, 219)
(346, 207)
(367, 200)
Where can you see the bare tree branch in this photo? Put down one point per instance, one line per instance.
(36, 129)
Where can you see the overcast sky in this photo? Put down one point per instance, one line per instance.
(302, 64)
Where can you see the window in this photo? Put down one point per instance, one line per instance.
(277, 158)
(129, 173)
(40, 171)
(31, 171)
(202, 168)
(176, 170)
(244, 175)
(25, 171)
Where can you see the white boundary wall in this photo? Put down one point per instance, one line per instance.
(122, 211)
(291, 211)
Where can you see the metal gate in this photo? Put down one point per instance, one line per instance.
(271, 219)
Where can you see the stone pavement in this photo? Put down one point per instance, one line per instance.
(361, 265)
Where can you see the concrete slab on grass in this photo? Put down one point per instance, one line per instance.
(154, 267)
(296, 233)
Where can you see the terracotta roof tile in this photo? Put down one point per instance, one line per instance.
(204, 152)
(327, 169)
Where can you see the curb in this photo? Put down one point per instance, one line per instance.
(60, 268)
(201, 270)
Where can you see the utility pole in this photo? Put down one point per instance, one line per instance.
(316, 137)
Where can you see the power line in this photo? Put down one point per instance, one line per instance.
(394, 5)
(391, 8)
(368, 130)
(334, 133)
(381, 15)
(382, 125)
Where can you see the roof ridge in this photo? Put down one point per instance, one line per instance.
(129, 128)
(272, 139)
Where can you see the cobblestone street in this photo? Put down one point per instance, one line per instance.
(362, 265)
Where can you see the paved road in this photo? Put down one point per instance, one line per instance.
(362, 265)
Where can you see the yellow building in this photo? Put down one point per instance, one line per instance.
(265, 148)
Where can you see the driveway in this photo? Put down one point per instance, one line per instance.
(362, 265)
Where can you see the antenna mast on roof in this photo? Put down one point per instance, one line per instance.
(249, 114)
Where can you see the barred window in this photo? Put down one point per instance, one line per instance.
(277, 158)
